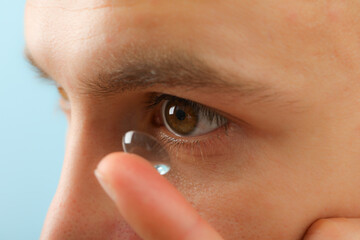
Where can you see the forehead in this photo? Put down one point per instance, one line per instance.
(68, 36)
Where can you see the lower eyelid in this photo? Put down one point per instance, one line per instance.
(215, 143)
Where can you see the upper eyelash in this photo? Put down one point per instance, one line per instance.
(211, 115)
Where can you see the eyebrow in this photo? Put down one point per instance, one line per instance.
(141, 69)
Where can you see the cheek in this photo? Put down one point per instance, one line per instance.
(247, 211)
(263, 198)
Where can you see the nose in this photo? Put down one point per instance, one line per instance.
(80, 208)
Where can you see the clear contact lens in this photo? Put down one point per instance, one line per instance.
(149, 148)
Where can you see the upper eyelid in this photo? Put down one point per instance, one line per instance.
(63, 94)
(227, 116)
(156, 99)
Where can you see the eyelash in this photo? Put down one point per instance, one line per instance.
(202, 146)
(209, 113)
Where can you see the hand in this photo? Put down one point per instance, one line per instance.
(334, 229)
(157, 211)
(148, 202)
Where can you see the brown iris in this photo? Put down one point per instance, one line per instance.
(63, 94)
(181, 117)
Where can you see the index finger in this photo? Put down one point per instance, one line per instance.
(148, 202)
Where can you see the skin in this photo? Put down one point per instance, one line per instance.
(271, 178)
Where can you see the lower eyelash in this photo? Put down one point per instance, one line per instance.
(196, 147)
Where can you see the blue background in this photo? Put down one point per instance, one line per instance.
(32, 134)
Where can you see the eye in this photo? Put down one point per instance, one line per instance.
(62, 93)
(187, 118)
(64, 100)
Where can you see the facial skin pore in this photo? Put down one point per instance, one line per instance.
(290, 85)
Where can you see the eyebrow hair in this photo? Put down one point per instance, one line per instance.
(143, 68)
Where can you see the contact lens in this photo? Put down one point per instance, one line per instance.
(149, 148)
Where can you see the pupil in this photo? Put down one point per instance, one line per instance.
(180, 114)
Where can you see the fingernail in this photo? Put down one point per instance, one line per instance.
(105, 185)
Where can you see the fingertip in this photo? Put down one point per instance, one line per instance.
(147, 201)
(117, 163)
(113, 160)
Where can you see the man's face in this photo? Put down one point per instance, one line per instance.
(281, 78)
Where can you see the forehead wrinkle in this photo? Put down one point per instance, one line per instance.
(78, 6)
(67, 9)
